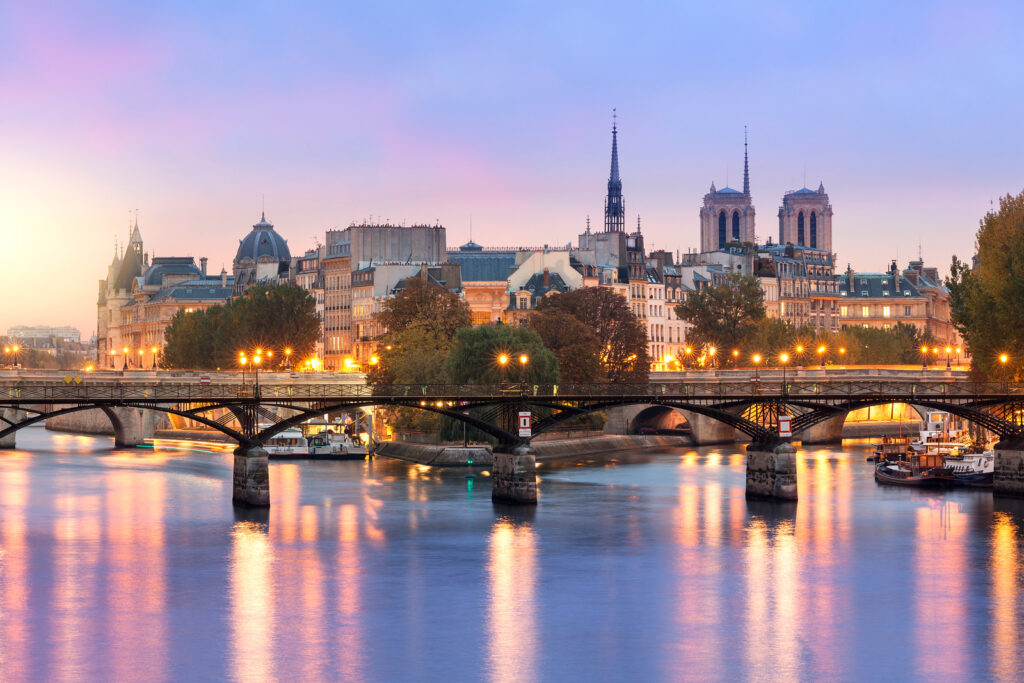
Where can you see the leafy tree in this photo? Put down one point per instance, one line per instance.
(574, 344)
(272, 318)
(986, 303)
(421, 323)
(474, 357)
(723, 315)
(622, 338)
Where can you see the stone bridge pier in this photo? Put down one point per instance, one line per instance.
(132, 426)
(771, 471)
(1008, 478)
(251, 480)
(14, 415)
(514, 475)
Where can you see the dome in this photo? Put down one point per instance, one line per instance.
(263, 243)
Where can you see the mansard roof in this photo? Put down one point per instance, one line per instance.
(484, 266)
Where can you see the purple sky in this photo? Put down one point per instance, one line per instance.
(910, 113)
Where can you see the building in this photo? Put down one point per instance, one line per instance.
(30, 335)
(805, 219)
(139, 297)
(728, 215)
(262, 258)
(915, 297)
(357, 248)
(485, 274)
(309, 276)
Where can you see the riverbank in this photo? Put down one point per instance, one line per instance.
(547, 451)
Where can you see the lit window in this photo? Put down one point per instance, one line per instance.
(843, 311)
(886, 312)
(865, 311)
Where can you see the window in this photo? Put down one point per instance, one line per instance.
(886, 312)
(721, 229)
(865, 311)
(800, 229)
(906, 310)
(736, 226)
(814, 230)
(843, 311)
(481, 317)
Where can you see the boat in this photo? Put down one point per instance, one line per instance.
(973, 470)
(939, 435)
(891, 448)
(288, 444)
(918, 471)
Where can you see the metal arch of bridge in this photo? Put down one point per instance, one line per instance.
(556, 403)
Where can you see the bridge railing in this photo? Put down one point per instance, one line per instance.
(51, 392)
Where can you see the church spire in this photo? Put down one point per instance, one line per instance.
(746, 166)
(614, 207)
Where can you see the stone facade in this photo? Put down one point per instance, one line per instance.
(805, 219)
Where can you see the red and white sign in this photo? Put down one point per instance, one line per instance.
(524, 424)
(755, 380)
(204, 380)
(785, 425)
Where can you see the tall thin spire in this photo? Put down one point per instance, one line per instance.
(746, 165)
(614, 207)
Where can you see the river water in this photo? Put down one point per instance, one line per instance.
(132, 565)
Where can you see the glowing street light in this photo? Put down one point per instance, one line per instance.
(924, 357)
(821, 355)
(783, 359)
(757, 360)
(125, 352)
(503, 360)
(154, 349)
(949, 351)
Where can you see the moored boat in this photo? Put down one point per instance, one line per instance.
(918, 471)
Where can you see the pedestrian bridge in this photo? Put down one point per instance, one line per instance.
(251, 411)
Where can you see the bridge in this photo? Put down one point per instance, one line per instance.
(251, 413)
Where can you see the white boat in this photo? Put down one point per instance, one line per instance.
(290, 442)
(328, 445)
(938, 435)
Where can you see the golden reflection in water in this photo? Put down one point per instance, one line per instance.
(252, 603)
(306, 557)
(512, 614)
(940, 591)
(773, 620)
(136, 588)
(1006, 569)
(349, 572)
(76, 554)
(285, 490)
(14, 616)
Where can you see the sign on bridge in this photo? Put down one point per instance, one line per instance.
(785, 425)
(524, 424)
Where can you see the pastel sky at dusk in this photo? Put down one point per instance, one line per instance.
(496, 113)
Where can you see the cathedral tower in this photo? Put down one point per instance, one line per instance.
(614, 207)
(728, 214)
(805, 219)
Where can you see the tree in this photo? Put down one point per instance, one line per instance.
(723, 315)
(574, 344)
(275, 318)
(474, 357)
(987, 305)
(621, 351)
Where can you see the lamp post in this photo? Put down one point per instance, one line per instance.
(154, 349)
(288, 358)
(799, 356)
(949, 350)
(242, 362)
(757, 362)
(112, 354)
(821, 355)
(16, 349)
(783, 359)
(958, 356)
(141, 357)
(842, 353)
(523, 361)
(924, 357)
(686, 357)
(711, 353)
(256, 367)
(125, 352)
(735, 358)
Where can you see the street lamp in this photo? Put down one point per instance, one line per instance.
(711, 352)
(141, 352)
(154, 349)
(125, 352)
(958, 356)
(757, 360)
(288, 358)
(924, 357)
(735, 358)
(842, 352)
(821, 355)
(256, 367)
(686, 357)
(799, 355)
(112, 354)
(949, 350)
(523, 361)
(783, 359)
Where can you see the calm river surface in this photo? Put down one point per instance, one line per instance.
(132, 565)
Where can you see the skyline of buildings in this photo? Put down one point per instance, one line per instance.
(355, 270)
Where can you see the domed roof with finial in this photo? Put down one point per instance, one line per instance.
(262, 243)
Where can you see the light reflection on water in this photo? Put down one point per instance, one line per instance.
(129, 565)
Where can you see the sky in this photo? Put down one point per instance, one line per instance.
(490, 115)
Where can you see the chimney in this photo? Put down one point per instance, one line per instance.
(547, 278)
(851, 287)
(424, 272)
(202, 265)
(223, 277)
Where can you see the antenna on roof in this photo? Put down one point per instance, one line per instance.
(471, 227)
